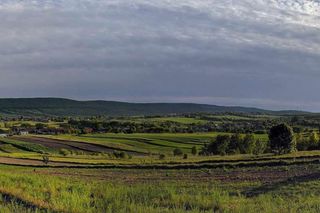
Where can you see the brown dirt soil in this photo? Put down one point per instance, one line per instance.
(70, 145)
(263, 175)
(30, 162)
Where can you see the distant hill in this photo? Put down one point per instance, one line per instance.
(67, 107)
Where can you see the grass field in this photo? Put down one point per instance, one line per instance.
(117, 190)
(86, 177)
(183, 120)
(148, 143)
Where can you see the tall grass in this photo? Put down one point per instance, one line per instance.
(84, 195)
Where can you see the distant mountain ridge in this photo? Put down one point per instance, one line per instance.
(68, 107)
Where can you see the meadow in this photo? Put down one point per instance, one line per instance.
(268, 189)
(109, 172)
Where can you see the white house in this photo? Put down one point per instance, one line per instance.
(23, 133)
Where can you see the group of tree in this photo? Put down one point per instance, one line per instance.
(152, 126)
(308, 141)
(281, 140)
(179, 152)
(234, 144)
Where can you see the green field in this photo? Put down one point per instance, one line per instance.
(82, 175)
(149, 143)
(118, 190)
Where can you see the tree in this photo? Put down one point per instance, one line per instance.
(260, 147)
(194, 150)
(302, 142)
(234, 145)
(313, 141)
(220, 145)
(248, 144)
(281, 139)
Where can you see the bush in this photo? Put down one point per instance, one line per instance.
(64, 152)
(248, 144)
(260, 147)
(162, 156)
(121, 155)
(194, 150)
(177, 152)
(314, 141)
(234, 145)
(307, 142)
(185, 156)
(45, 159)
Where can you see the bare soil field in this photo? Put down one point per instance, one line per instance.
(30, 162)
(266, 175)
(70, 145)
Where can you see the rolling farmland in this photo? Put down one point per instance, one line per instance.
(84, 170)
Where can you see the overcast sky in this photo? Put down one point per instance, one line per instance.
(262, 53)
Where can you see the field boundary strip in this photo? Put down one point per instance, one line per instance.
(171, 167)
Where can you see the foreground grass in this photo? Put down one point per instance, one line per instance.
(148, 191)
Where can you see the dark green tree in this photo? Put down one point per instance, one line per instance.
(234, 145)
(220, 145)
(282, 139)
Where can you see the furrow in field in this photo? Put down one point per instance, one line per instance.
(31, 162)
(146, 141)
(72, 145)
(134, 142)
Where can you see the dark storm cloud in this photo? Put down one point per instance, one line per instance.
(262, 53)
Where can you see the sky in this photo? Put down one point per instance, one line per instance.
(257, 53)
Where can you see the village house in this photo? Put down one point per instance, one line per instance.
(3, 135)
(23, 133)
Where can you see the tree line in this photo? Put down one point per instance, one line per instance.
(281, 140)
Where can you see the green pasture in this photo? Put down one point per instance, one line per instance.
(149, 143)
(145, 144)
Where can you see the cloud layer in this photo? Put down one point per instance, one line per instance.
(263, 53)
